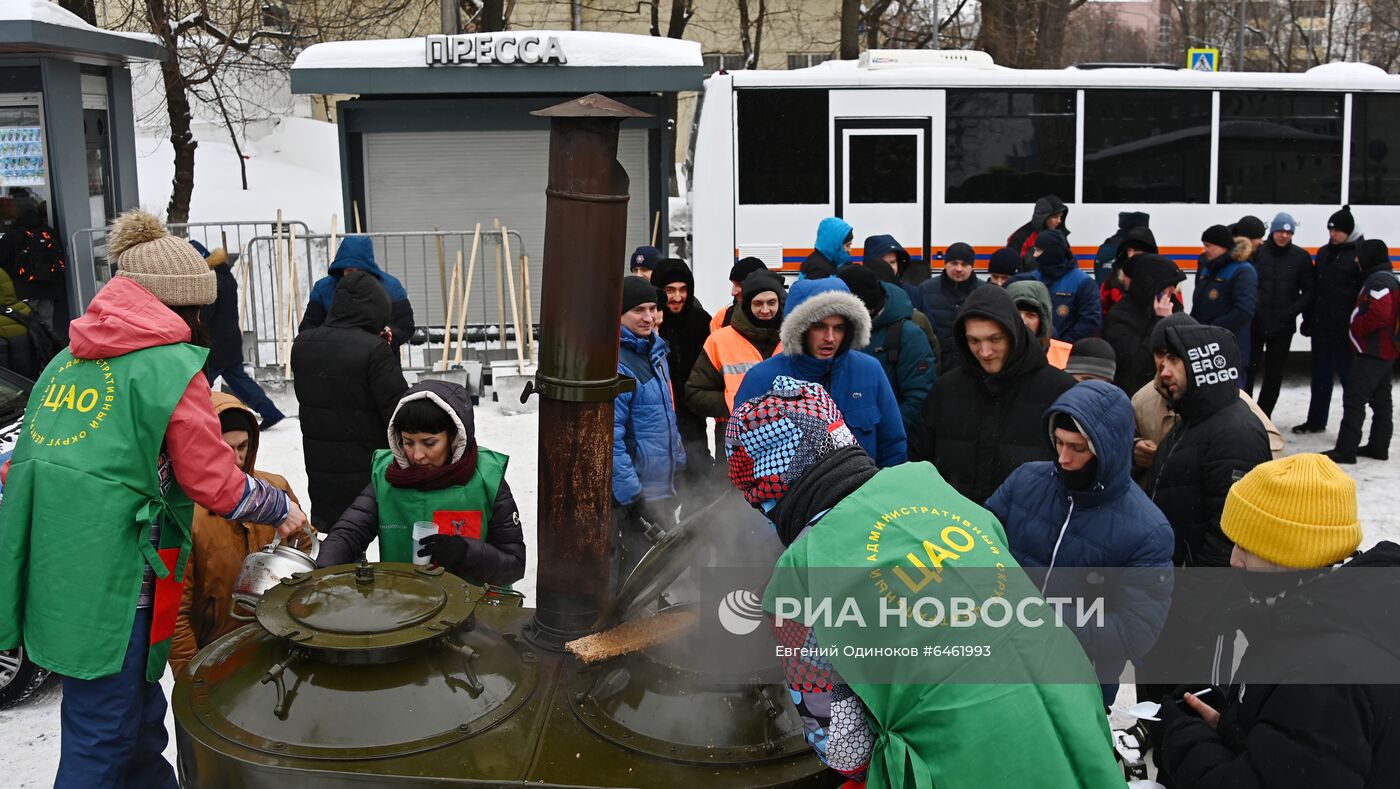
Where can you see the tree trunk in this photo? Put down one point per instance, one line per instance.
(85, 9)
(850, 29)
(177, 105)
(675, 28)
(1000, 33)
(1050, 41)
(493, 16)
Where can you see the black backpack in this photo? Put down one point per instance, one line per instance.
(43, 343)
(40, 257)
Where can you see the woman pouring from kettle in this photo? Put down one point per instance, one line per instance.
(119, 442)
(434, 472)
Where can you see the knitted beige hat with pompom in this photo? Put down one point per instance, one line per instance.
(167, 266)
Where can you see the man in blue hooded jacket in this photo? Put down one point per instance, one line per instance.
(356, 253)
(1082, 510)
(822, 322)
(831, 251)
(901, 348)
(1078, 310)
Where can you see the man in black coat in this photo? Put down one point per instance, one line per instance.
(1284, 291)
(226, 341)
(944, 295)
(685, 328)
(1333, 282)
(1130, 322)
(1216, 441)
(348, 382)
(1314, 701)
(986, 417)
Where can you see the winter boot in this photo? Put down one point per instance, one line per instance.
(1338, 456)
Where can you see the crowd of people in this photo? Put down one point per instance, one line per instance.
(1097, 420)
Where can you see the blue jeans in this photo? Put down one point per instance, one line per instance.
(245, 389)
(114, 726)
(1331, 359)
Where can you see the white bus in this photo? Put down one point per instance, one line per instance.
(939, 147)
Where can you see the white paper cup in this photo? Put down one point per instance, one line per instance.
(422, 529)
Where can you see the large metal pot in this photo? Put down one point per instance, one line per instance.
(262, 570)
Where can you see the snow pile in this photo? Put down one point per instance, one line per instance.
(50, 13)
(583, 48)
(295, 168)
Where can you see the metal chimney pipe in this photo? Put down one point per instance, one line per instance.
(584, 252)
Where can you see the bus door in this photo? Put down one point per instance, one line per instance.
(882, 179)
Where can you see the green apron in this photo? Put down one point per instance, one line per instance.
(463, 510)
(83, 490)
(938, 722)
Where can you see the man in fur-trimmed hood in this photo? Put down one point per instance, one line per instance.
(823, 321)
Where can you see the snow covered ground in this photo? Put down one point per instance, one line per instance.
(29, 734)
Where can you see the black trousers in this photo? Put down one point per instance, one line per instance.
(1266, 365)
(1367, 385)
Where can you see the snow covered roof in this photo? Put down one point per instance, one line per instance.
(43, 26)
(592, 61)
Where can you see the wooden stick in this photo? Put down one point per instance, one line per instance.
(279, 315)
(296, 276)
(514, 305)
(355, 206)
(500, 290)
(655, 228)
(451, 304)
(466, 296)
(442, 287)
(529, 309)
(330, 249)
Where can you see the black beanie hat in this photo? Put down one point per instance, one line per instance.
(1005, 261)
(1342, 220)
(762, 282)
(1218, 235)
(1092, 356)
(745, 267)
(1249, 226)
(960, 251)
(636, 291)
(1158, 338)
(865, 285)
(231, 419)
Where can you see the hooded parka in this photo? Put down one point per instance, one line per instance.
(1227, 293)
(1023, 239)
(356, 253)
(1129, 325)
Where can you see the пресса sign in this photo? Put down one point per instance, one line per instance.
(489, 49)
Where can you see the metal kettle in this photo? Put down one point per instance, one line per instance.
(263, 569)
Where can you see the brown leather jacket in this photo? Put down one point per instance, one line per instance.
(219, 549)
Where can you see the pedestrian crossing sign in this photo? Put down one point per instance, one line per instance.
(1203, 59)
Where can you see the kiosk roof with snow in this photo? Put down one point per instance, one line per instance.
(517, 61)
(41, 27)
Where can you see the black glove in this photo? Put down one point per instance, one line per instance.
(446, 550)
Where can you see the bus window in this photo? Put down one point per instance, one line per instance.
(1149, 146)
(784, 154)
(1278, 147)
(1009, 146)
(1375, 138)
(884, 168)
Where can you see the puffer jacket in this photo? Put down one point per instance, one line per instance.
(942, 299)
(855, 380)
(1333, 281)
(1023, 239)
(977, 428)
(499, 559)
(216, 557)
(348, 382)
(1078, 311)
(1227, 294)
(910, 364)
(221, 317)
(1375, 322)
(1129, 325)
(829, 251)
(357, 252)
(647, 448)
(1111, 524)
(1285, 288)
(1345, 732)
(872, 255)
(1216, 441)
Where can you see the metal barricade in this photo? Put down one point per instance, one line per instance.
(277, 277)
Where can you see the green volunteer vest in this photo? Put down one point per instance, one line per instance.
(460, 509)
(907, 534)
(82, 493)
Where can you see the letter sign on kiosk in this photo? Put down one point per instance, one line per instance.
(492, 49)
(1203, 59)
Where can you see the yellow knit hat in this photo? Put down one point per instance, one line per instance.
(1298, 511)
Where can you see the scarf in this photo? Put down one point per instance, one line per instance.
(447, 475)
(825, 484)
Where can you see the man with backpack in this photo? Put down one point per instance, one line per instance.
(899, 345)
(32, 254)
(26, 343)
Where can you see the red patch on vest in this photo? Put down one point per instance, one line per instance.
(168, 594)
(461, 523)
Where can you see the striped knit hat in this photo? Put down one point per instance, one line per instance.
(774, 438)
(1298, 511)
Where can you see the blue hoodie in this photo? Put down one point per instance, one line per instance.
(1077, 307)
(831, 240)
(876, 247)
(1111, 524)
(647, 449)
(855, 380)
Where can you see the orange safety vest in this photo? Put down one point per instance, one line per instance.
(717, 320)
(733, 355)
(1058, 354)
